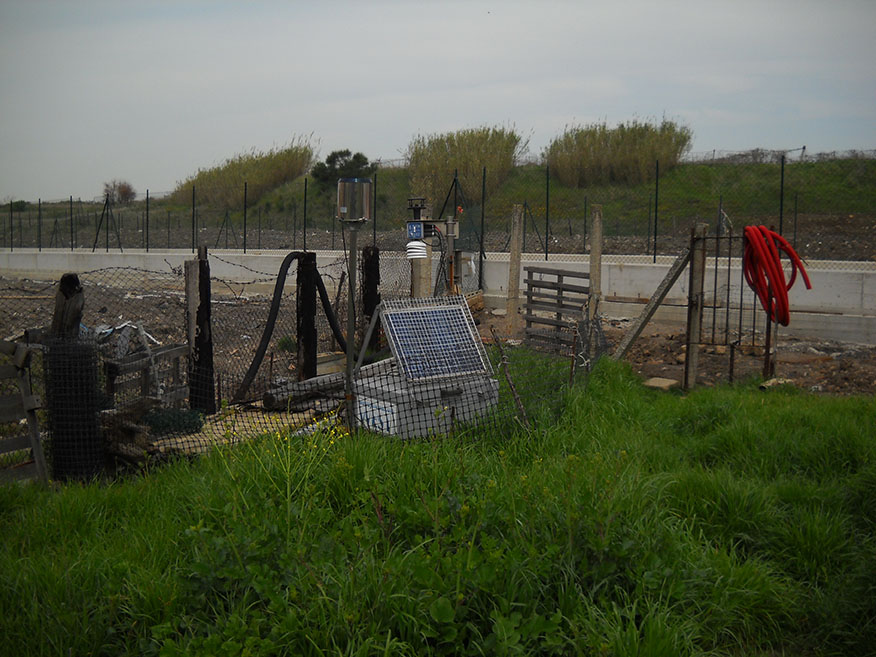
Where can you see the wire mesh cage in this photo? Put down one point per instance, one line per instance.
(73, 401)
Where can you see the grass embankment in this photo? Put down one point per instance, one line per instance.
(729, 521)
(748, 193)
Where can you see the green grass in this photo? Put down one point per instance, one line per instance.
(725, 522)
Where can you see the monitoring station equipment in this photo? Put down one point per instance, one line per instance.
(441, 377)
(353, 210)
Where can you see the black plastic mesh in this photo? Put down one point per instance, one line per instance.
(73, 401)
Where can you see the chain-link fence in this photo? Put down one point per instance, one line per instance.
(825, 205)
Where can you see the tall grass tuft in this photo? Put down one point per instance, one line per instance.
(432, 160)
(222, 186)
(596, 154)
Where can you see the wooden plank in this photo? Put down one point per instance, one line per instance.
(565, 308)
(8, 372)
(19, 472)
(535, 269)
(547, 321)
(14, 444)
(11, 409)
(7, 348)
(31, 402)
(555, 295)
(554, 285)
(21, 356)
(176, 394)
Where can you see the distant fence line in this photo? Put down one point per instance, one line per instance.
(651, 219)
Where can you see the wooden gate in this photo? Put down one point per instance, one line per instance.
(555, 302)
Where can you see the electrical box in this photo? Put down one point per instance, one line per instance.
(415, 230)
(394, 406)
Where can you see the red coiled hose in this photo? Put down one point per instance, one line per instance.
(762, 265)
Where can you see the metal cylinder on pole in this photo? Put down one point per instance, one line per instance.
(146, 227)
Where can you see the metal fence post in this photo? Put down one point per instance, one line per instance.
(304, 229)
(244, 216)
(656, 202)
(547, 210)
(782, 195)
(374, 213)
(193, 218)
(39, 224)
(481, 253)
(147, 221)
(305, 302)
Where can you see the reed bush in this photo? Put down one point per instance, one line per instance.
(222, 186)
(597, 154)
(433, 159)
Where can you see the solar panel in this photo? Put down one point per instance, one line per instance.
(433, 338)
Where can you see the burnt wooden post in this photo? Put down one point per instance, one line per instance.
(370, 283)
(306, 312)
(201, 386)
(69, 302)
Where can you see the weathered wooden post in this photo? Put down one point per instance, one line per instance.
(695, 299)
(516, 248)
(200, 334)
(595, 261)
(595, 294)
(305, 305)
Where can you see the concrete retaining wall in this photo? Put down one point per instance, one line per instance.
(841, 305)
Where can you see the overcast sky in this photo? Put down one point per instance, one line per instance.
(151, 91)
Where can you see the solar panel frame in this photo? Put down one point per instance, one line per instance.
(434, 338)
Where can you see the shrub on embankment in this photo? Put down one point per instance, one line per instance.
(433, 159)
(221, 186)
(596, 154)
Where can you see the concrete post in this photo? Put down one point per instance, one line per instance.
(421, 273)
(513, 305)
(595, 261)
